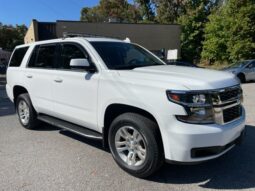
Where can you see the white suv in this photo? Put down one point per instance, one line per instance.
(145, 111)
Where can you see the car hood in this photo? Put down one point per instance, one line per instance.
(232, 70)
(178, 77)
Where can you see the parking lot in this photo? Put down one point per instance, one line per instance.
(50, 159)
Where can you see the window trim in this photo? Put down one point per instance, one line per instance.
(8, 65)
(37, 48)
(82, 48)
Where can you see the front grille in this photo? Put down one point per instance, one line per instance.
(230, 94)
(232, 113)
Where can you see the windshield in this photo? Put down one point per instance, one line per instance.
(121, 55)
(239, 64)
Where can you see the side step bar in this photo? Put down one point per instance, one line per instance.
(70, 127)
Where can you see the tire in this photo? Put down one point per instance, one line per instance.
(148, 140)
(26, 112)
(241, 78)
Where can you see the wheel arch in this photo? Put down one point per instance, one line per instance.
(17, 90)
(242, 75)
(116, 109)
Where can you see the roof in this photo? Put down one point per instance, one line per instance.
(89, 39)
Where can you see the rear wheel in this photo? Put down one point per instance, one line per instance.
(135, 144)
(26, 112)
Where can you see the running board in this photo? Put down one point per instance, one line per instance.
(70, 127)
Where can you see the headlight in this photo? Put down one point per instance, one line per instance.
(189, 98)
(198, 106)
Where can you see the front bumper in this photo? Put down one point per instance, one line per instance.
(183, 141)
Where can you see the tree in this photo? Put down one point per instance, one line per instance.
(92, 15)
(193, 23)
(229, 34)
(11, 36)
(168, 11)
(146, 10)
(120, 10)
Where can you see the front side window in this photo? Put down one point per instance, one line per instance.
(18, 56)
(121, 55)
(43, 56)
(69, 52)
(253, 64)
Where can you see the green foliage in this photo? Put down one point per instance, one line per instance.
(146, 11)
(11, 36)
(193, 22)
(168, 11)
(230, 32)
(120, 10)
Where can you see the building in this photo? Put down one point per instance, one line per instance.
(154, 37)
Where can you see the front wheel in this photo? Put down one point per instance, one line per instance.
(135, 144)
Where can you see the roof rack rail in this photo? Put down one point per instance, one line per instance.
(72, 35)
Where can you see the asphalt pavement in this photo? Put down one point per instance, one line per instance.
(50, 159)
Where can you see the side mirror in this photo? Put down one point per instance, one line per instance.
(79, 63)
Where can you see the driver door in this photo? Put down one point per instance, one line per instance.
(75, 90)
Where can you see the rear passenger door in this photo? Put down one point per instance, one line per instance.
(75, 89)
(39, 77)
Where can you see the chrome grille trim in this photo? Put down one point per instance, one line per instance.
(219, 106)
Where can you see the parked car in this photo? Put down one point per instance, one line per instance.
(182, 63)
(145, 111)
(3, 65)
(244, 70)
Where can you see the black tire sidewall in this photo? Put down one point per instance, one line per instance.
(151, 145)
(32, 114)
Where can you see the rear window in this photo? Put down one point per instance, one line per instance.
(18, 56)
(43, 57)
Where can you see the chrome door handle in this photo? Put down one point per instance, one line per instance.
(29, 76)
(58, 80)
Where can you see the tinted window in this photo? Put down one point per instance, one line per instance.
(43, 57)
(118, 55)
(33, 57)
(70, 51)
(18, 56)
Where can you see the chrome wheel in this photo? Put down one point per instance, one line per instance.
(23, 111)
(130, 146)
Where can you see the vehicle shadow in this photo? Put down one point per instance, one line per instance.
(6, 107)
(46, 127)
(94, 143)
(234, 170)
(2, 80)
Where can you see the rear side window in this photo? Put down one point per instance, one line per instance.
(43, 57)
(18, 56)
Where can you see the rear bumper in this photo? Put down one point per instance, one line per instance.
(190, 143)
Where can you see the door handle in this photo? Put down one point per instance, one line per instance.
(58, 80)
(29, 76)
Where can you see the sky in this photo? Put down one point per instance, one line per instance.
(23, 11)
